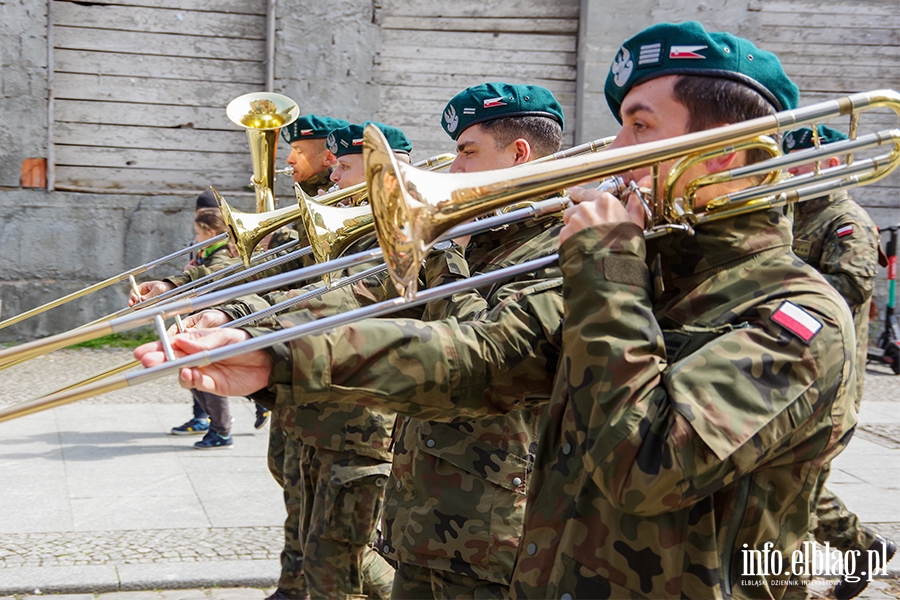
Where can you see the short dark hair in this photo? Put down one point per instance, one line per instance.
(210, 218)
(713, 101)
(543, 133)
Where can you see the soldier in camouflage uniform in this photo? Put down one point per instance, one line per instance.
(837, 237)
(703, 380)
(332, 455)
(455, 501)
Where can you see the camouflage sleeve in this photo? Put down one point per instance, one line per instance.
(188, 275)
(447, 266)
(433, 371)
(665, 436)
(338, 299)
(850, 259)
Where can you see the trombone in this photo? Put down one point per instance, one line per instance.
(419, 208)
(414, 207)
(248, 229)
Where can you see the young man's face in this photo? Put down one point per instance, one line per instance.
(477, 151)
(309, 158)
(650, 112)
(348, 171)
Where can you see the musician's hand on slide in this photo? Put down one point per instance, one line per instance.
(236, 376)
(593, 207)
(149, 289)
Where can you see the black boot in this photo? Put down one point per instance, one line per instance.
(845, 590)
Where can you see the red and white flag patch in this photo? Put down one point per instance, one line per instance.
(845, 230)
(797, 321)
(358, 142)
(686, 51)
(306, 132)
(492, 102)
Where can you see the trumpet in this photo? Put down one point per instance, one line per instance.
(419, 208)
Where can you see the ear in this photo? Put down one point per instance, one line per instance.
(721, 163)
(523, 151)
(329, 160)
(832, 162)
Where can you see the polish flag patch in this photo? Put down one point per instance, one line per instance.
(358, 142)
(494, 102)
(686, 51)
(306, 132)
(797, 321)
(845, 230)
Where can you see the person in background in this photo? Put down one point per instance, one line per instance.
(208, 224)
(836, 236)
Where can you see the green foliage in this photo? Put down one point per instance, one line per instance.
(130, 339)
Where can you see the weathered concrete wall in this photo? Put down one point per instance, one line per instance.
(324, 56)
(605, 25)
(23, 85)
(55, 243)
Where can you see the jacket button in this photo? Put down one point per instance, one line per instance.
(531, 549)
(386, 548)
(566, 596)
(398, 485)
(430, 443)
(567, 448)
(517, 481)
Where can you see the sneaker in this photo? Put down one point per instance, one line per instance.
(262, 416)
(214, 439)
(193, 426)
(846, 589)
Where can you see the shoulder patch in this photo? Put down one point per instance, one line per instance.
(797, 321)
(845, 230)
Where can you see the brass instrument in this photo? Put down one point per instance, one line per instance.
(125, 276)
(413, 208)
(263, 114)
(248, 229)
(419, 207)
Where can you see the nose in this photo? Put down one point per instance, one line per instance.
(456, 166)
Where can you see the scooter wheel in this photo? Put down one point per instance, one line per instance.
(893, 353)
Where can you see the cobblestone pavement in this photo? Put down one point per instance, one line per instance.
(136, 547)
(50, 372)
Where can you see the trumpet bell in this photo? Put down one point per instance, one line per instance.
(263, 114)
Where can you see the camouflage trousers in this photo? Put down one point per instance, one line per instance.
(412, 582)
(342, 497)
(284, 463)
(835, 523)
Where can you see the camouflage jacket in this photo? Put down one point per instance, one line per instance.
(456, 497)
(337, 427)
(697, 395)
(837, 237)
(687, 429)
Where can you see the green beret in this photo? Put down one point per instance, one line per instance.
(310, 127)
(494, 100)
(802, 138)
(349, 139)
(688, 49)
